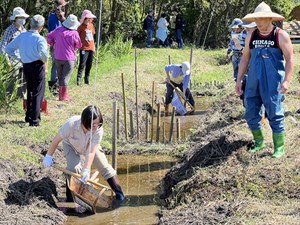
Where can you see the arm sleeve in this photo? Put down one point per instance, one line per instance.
(186, 81)
(43, 49)
(78, 43)
(169, 67)
(65, 130)
(11, 47)
(50, 38)
(6, 38)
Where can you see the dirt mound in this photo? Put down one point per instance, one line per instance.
(29, 199)
(219, 182)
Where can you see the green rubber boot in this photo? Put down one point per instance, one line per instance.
(258, 137)
(278, 140)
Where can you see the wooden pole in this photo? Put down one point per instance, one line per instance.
(131, 123)
(124, 106)
(169, 59)
(164, 133)
(147, 126)
(178, 130)
(118, 123)
(171, 124)
(191, 61)
(152, 112)
(114, 136)
(158, 123)
(136, 96)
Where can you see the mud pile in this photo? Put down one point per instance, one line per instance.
(219, 182)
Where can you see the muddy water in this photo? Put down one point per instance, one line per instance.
(187, 123)
(139, 176)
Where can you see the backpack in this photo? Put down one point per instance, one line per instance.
(145, 24)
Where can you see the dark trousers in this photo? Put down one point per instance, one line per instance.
(170, 93)
(85, 60)
(35, 76)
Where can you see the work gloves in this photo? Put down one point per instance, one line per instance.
(48, 160)
(85, 175)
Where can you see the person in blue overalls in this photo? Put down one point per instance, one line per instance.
(268, 79)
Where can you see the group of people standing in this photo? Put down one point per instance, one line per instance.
(65, 36)
(162, 32)
(263, 62)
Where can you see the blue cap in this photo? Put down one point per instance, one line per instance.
(236, 23)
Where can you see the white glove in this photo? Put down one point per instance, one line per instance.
(85, 175)
(78, 168)
(48, 160)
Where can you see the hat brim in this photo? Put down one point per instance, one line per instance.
(234, 26)
(71, 26)
(13, 17)
(252, 16)
(249, 25)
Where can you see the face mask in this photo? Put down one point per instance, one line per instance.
(21, 21)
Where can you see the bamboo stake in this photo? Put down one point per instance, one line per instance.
(164, 133)
(178, 130)
(169, 59)
(114, 136)
(152, 112)
(147, 126)
(118, 123)
(125, 110)
(158, 123)
(131, 123)
(136, 96)
(171, 124)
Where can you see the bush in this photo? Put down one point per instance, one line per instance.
(7, 81)
(118, 47)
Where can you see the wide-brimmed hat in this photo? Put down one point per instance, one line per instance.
(236, 23)
(71, 22)
(87, 14)
(186, 68)
(249, 24)
(262, 11)
(18, 12)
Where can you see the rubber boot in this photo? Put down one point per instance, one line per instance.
(60, 93)
(278, 140)
(167, 110)
(259, 141)
(114, 183)
(69, 196)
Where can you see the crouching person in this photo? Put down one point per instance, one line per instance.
(77, 134)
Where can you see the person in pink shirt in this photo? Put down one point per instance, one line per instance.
(65, 40)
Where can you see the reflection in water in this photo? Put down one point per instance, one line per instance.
(139, 176)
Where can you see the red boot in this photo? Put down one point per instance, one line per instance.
(63, 93)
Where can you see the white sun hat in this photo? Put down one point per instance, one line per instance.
(18, 12)
(71, 22)
(249, 24)
(262, 11)
(185, 66)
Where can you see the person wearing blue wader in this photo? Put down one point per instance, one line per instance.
(236, 44)
(268, 78)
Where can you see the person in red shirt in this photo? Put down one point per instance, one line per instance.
(86, 32)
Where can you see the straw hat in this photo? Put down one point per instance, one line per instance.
(71, 22)
(18, 12)
(262, 11)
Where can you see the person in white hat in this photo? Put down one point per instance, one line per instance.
(86, 32)
(268, 79)
(17, 27)
(178, 75)
(66, 41)
(236, 44)
(33, 54)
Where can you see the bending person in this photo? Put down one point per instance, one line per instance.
(77, 134)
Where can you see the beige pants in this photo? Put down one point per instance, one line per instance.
(100, 161)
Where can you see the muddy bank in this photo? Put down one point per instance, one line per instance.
(219, 182)
(29, 193)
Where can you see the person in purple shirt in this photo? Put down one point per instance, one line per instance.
(178, 76)
(65, 40)
(55, 18)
